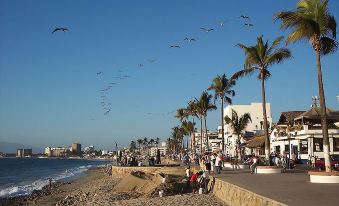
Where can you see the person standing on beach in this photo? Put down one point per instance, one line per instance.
(194, 182)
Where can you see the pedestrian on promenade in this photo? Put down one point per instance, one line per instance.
(254, 164)
(208, 164)
(313, 161)
(218, 163)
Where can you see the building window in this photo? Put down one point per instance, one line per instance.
(318, 144)
(336, 144)
(287, 148)
(303, 147)
(277, 149)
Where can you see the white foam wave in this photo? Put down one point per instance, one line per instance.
(26, 189)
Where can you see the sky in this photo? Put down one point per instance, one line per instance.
(50, 83)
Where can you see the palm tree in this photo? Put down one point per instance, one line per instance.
(177, 136)
(222, 89)
(312, 21)
(238, 126)
(204, 106)
(258, 58)
(132, 146)
(181, 114)
(188, 128)
(139, 141)
(191, 110)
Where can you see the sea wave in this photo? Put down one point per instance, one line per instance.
(26, 189)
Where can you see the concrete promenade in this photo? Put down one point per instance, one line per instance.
(286, 188)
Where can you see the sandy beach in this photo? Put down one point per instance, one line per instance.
(97, 188)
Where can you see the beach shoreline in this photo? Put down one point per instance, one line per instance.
(98, 188)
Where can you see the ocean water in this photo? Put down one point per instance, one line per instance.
(20, 176)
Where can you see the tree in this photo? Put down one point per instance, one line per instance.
(177, 136)
(258, 58)
(187, 128)
(139, 141)
(204, 105)
(191, 110)
(181, 114)
(222, 89)
(312, 21)
(132, 146)
(238, 126)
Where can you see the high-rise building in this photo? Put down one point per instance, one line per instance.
(76, 149)
(23, 152)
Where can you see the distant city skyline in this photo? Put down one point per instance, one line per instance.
(124, 67)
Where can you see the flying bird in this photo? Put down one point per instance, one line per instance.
(245, 17)
(221, 22)
(98, 73)
(152, 60)
(60, 29)
(140, 65)
(175, 46)
(249, 25)
(207, 29)
(108, 111)
(189, 39)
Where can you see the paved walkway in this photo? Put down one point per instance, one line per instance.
(287, 188)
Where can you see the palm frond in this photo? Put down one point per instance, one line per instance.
(327, 45)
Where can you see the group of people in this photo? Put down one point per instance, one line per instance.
(198, 180)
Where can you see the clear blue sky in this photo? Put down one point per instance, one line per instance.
(49, 89)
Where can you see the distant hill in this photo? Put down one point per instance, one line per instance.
(7, 147)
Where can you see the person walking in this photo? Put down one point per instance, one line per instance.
(254, 164)
(218, 163)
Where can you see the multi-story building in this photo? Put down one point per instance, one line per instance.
(214, 141)
(76, 149)
(57, 151)
(162, 149)
(255, 127)
(299, 133)
(89, 149)
(23, 152)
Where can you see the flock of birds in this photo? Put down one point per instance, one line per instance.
(107, 106)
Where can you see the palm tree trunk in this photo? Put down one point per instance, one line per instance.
(323, 115)
(193, 142)
(207, 145)
(239, 149)
(222, 126)
(263, 99)
(200, 134)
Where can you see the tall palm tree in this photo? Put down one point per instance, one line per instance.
(177, 136)
(204, 106)
(139, 141)
(188, 128)
(132, 146)
(191, 110)
(200, 113)
(312, 21)
(258, 58)
(222, 89)
(181, 114)
(238, 125)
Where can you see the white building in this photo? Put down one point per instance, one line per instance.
(162, 149)
(89, 149)
(57, 151)
(214, 141)
(300, 132)
(254, 128)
